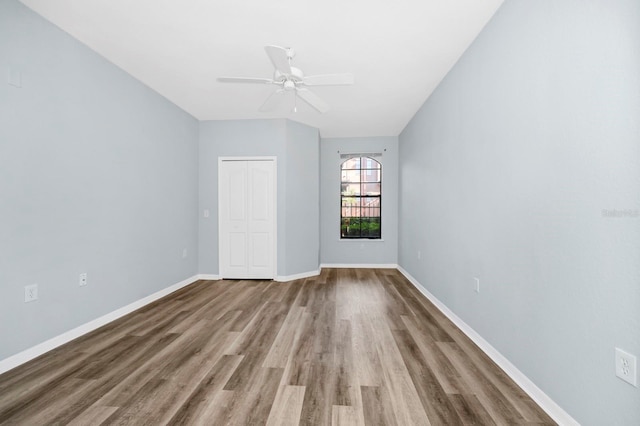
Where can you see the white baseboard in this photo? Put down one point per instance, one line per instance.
(41, 348)
(208, 277)
(279, 278)
(284, 278)
(360, 265)
(543, 400)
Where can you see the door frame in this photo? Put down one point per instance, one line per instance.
(275, 207)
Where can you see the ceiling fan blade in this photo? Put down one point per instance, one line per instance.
(244, 80)
(329, 80)
(273, 101)
(312, 99)
(279, 59)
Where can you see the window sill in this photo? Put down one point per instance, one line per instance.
(361, 240)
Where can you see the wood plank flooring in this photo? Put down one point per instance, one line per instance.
(348, 347)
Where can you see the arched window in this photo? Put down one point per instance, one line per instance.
(360, 196)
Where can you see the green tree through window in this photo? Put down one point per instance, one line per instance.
(360, 196)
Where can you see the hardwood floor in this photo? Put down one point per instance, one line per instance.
(348, 347)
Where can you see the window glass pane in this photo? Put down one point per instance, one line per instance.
(351, 211)
(350, 201)
(370, 175)
(350, 176)
(370, 207)
(370, 211)
(351, 189)
(370, 163)
(371, 202)
(351, 164)
(369, 227)
(371, 189)
(350, 227)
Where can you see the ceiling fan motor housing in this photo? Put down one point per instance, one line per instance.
(296, 76)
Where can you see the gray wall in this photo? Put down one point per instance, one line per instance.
(509, 173)
(302, 216)
(98, 174)
(286, 140)
(334, 250)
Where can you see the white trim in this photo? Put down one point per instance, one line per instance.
(249, 158)
(41, 348)
(542, 399)
(360, 265)
(208, 277)
(361, 240)
(359, 154)
(283, 278)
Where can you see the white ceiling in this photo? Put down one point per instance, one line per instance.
(398, 51)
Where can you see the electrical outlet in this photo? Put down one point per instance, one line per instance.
(30, 293)
(477, 288)
(83, 279)
(184, 253)
(626, 367)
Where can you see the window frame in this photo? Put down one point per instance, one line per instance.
(362, 195)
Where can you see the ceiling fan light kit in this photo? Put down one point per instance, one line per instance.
(292, 80)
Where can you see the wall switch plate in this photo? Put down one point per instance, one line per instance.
(30, 293)
(419, 255)
(82, 281)
(626, 367)
(477, 284)
(206, 213)
(184, 253)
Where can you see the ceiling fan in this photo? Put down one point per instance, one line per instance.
(292, 79)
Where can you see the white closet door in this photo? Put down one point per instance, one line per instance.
(261, 219)
(247, 219)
